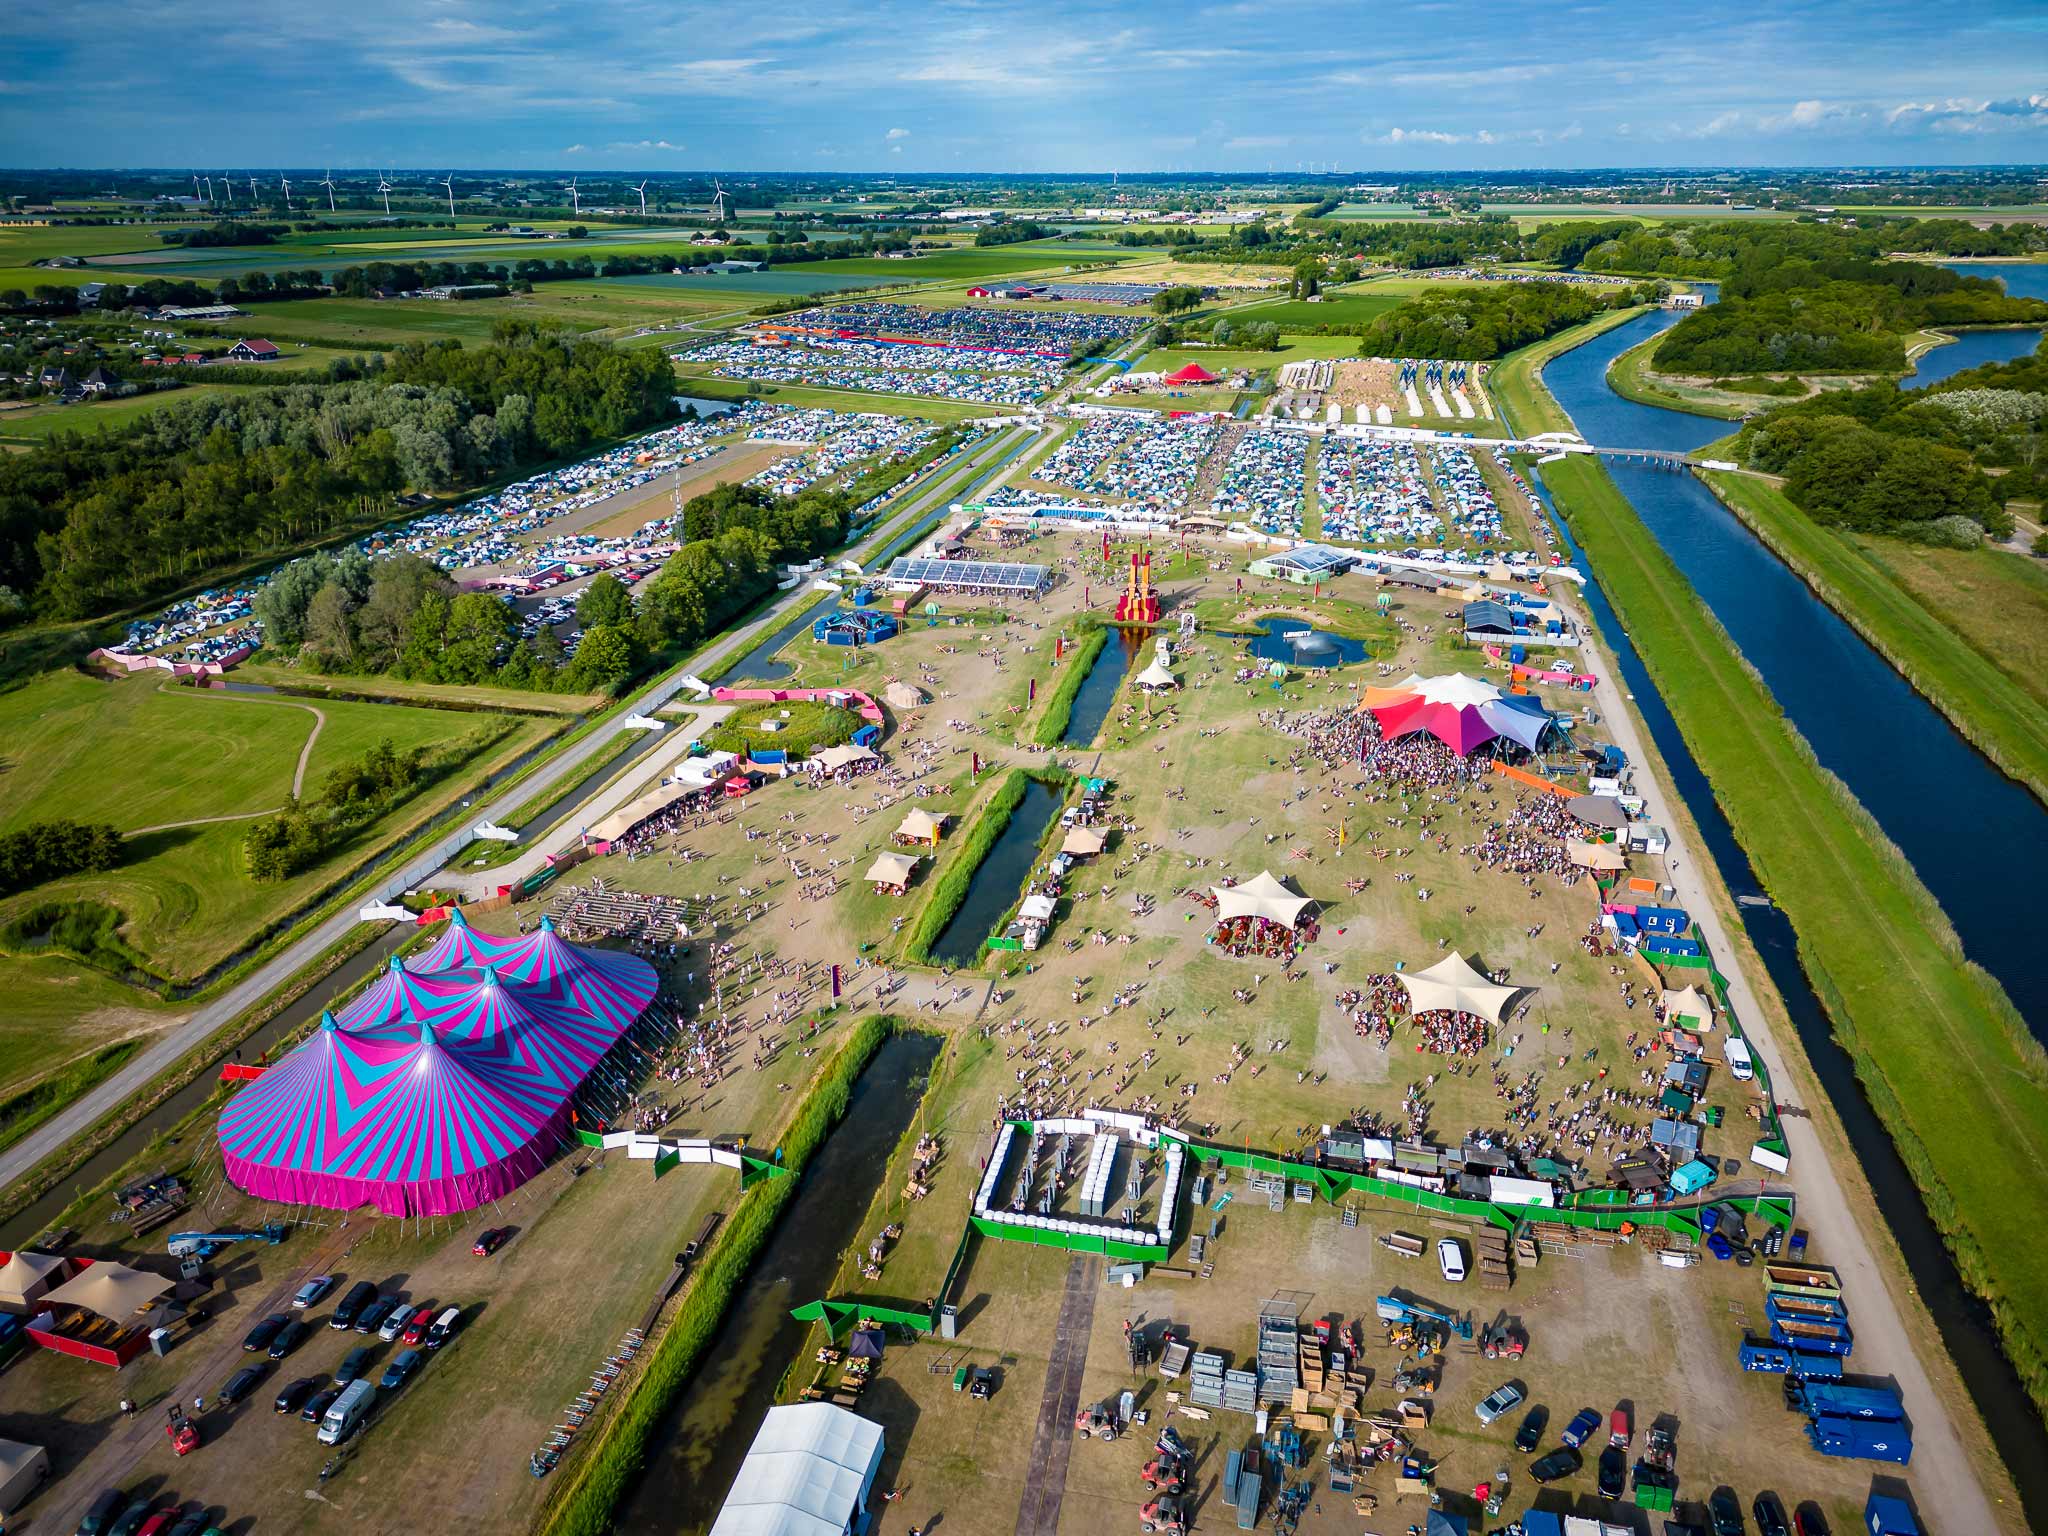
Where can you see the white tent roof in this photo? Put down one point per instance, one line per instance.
(1156, 676)
(1456, 689)
(1598, 810)
(1596, 856)
(25, 1276)
(112, 1290)
(1453, 984)
(1037, 908)
(840, 757)
(892, 869)
(921, 826)
(904, 695)
(630, 815)
(804, 1475)
(1260, 896)
(1690, 1003)
(1082, 840)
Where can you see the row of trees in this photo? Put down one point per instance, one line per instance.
(1487, 321)
(91, 524)
(354, 794)
(48, 850)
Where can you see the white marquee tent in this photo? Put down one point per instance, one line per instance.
(1452, 984)
(808, 1473)
(1260, 896)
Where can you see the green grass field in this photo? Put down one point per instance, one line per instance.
(1936, 1042)
(975, 261)
(142, 755)
(1993, 700)
(34, 423)
(1292, 349)
(1517, 379)
(1350, 308)
(1633, 379)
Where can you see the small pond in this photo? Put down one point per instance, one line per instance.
(1297, 643)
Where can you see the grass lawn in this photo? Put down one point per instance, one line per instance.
(36, 423)
(1949, 1066)
(972, 262)
(1349, 308)
(598, 304)
(402, 689)
(181, 756)
(1292, 349)
(1963, 659)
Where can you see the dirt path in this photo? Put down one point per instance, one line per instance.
(306, 752)
(202, 821)
(298, 782)
(1052, 1442)
(1942, 1473)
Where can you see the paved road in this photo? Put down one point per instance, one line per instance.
(160, 1054)
(1045, 1476)
(1942, 1475)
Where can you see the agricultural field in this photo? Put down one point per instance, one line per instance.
(969, 262)
(192, 768)
(26, 426)
(1348, 309)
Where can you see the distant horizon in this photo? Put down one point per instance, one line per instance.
(1048, 87)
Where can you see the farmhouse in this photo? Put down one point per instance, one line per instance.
(254, 350)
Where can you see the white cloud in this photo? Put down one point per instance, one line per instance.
(577, 149)
(650, 144)
(1964, 114)
(895, 149)
(1808, 116)
(1419, 136)
(897, 133)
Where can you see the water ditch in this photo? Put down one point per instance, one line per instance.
(1967, 1326)
(1098, 691)
(701, 1442)
(995, 885)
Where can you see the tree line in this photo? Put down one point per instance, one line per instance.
(49, 850)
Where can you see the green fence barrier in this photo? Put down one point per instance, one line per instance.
(839, 1314)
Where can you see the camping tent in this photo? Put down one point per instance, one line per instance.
(1260, 896)
(1081, 842)
(919, 827)
(110, 1290)
(891, 869)
(1600, 856)
(25, 1277)
(864, 1344)
(1689, 1005)
(1598, 811)
(1452, 984)
(902, 695)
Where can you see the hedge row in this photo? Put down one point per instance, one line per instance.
(1059, 707)
(586, 1503)
(949, 890)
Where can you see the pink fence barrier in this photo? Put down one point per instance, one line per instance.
(869, 710)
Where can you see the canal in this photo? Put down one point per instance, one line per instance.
(996, 884)
(700, 1444)
(1099, 688)
(1967, 1327)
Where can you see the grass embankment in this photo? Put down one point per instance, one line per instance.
(1631, 377)
(949, 890)
(584, 1504)
(1517, 379)
(1993, 710)
(1059, 703)
(1961, 1085)
(28, 1109)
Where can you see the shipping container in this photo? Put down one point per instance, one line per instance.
(1861, 1440)
(1884, 1515)
(1834, 1400)
(1815, 1338)
(1782, 1360)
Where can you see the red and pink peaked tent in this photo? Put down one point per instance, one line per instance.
(1464, 713)
(1194, 373)
(439, 1088)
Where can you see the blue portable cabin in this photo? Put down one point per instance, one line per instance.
(1541, 1522)
(1691, 1178)
(867, 735)
(862, 596)
(1861, 1440)
(1662, 944)
(1884, 1515)
(1671, 920)
(854, 627)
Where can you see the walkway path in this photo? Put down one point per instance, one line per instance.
(79, 1116)
(1943, 1478)
(306, 752)
(1045, 1477)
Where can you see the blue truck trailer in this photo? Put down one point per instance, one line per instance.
(1861, 1439)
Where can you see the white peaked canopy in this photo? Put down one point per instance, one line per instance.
(904, 696)
(1156, 676)
(1260, 896)
(919, 826)
(1454, 985)
(1081, 842)
(26, 1276)
(1689, 1003)
(834, 758)
(1456, 689)
(892, 869)
(1604, 856)
(1037, 908)
(111, 1290)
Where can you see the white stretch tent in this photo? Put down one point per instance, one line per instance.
(111, 1290)
(834, 758)
(1260, 896)
(1453, 984)
(919, 827)
(1156, 677)
(808, 1473)
(1597, 856)
(903, 695)
(1689, 1003)
(892, 869)
(25, 1277)
(1082, 842)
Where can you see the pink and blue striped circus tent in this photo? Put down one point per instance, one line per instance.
(444, 1085)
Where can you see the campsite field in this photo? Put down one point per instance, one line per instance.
(192, 768)
(929, 407)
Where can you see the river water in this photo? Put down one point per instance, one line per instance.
(1578, 378)
(998, 882)
(1099, 688)
(703, 1439)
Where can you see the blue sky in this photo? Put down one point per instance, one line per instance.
(1048, 85)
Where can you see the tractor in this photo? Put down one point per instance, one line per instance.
(1099, 1420)
(1165, 1514)
(184, 1435)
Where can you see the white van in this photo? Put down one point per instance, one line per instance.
(1736, 1054)
(347, 1411)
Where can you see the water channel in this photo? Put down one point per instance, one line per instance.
(1099, 688)
(703, 1438)
(1685, 525)
(999, 880)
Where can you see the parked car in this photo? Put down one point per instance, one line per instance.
(311, 1292)
(374, 1316)
(444, 1327)
(1807, 1520)
(259, 1337)
(1530, 1435)
(350, 1307)
(193, 1524)
(1562, 1462)
(289, 1337)
(132, 1517)
(99, 1519)
(318, 1404)
(400, 1369)
(1613, 1473)
(1501, 1400)
(1450, 1259)
(1583, 1423)
(295, 1394)
(354, 1365)
(490, 1241)
(396, 1319)
(416, 1329)
(243, 1382)
(158, 1523)
(1724, 1513)
(1770, 1516)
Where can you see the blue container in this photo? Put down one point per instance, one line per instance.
(1887, 1516)
(1829, 1342)
(1834, 1400)
(1662, 944)
(1861, 1440)
(1816, 1309)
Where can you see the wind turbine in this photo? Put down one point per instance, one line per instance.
(227, 188)
(575, 199)
(448, 181)
(384, 187)
(255, 194)
(286, 182)
(642, 190)
(327, 181)
(195, 188)
(718, 200)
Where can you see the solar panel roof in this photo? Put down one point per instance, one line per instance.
(1315, 557)
(968, 573)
